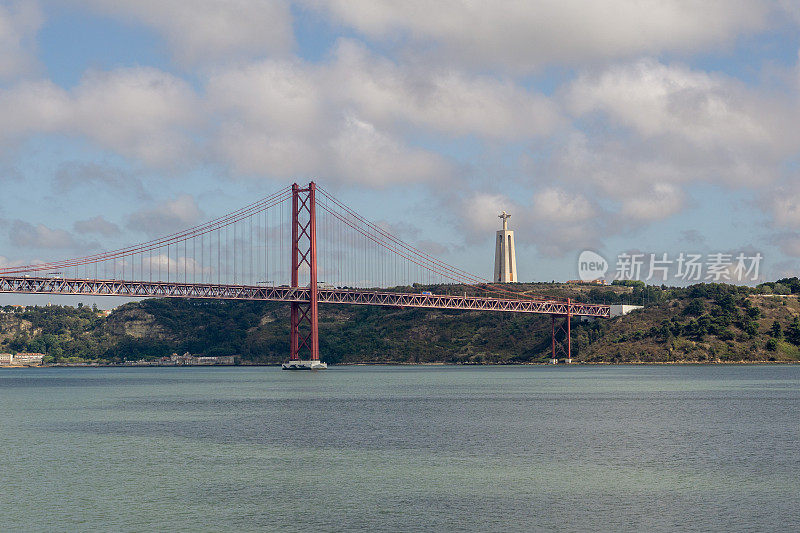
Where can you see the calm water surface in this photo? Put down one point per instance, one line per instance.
(690, 448)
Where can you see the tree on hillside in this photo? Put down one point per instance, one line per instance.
(793, 332)
(793, 283)
(695, 308)
(772, 344)
(776, 331)
(780, 288)
(750, 328)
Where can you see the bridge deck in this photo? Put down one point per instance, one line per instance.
(97, 287)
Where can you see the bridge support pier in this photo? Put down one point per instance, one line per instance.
(304, 327)
(562, 347)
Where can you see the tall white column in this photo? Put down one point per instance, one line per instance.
(505, 259)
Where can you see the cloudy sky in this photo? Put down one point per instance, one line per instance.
(652, 125)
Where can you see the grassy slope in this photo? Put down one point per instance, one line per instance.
(641, 335)
(707, 323)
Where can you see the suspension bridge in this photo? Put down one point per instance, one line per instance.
(299, 245)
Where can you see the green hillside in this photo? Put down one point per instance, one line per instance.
(701, 323)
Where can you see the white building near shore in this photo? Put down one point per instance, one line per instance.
(620, 310)
(28, 359)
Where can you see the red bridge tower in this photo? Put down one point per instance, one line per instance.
(304, 332)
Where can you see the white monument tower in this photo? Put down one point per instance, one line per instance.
(505, 260)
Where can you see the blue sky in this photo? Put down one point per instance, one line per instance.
(655, 126)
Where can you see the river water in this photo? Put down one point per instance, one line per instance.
(579, 448)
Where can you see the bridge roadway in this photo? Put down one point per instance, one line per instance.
(98, 287)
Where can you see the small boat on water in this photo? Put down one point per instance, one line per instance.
(304, 365)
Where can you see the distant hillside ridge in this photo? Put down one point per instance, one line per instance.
(699, 323)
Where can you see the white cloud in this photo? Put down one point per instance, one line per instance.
(273, 96)
(665, 127)
(211, 30)
(560, 221)
(26, 235)
(285, 118)
(350, 151)
(618, 168)
(790, 245)
(447, 101)
(72, 174)
(637, 182)
(173, 263)
(692, 236)
(524, 36)
(5, 262)
(371, 157)
(478, 213)
(97, 225)
(553, 220)
(648, 178)
(791, 8)
(647, 129)
(555, 205)
(786, 210)
(139, 112)
(347, 119)
(251, 151)
(662, 201)
(272, 118)
(33, 107)
(167, 217)
(656, 99)
(404, 230)
(782, 204)
(19, 23)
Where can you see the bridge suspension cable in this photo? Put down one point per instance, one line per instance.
(248, 246)
(204, 253)
(300, 245)
(429, 268)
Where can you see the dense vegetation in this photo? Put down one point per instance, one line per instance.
(707, 322)
(704, 322)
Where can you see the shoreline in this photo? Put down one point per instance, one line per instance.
(574, 363)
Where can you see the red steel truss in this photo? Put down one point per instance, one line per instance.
(38, 285)
(304, 332)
